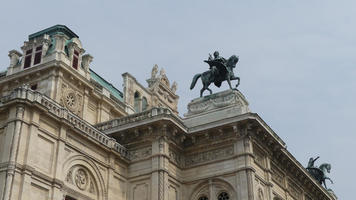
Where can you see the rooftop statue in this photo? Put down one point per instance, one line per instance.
(319, 173)
(220, 70)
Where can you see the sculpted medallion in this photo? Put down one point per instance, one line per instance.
(81, 179)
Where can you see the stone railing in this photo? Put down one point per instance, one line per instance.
(23, 93)
(133, 118)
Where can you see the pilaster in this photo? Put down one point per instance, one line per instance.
(160, 162)
(244, 178)
(269, 178)
(27, 175)
(18, 113)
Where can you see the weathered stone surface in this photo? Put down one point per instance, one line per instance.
(216, 107)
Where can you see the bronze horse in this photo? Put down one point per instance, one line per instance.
(218, 72)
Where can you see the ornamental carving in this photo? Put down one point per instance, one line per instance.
(176, 158)
(277, 176)
(259, 156)
(141, 153)
(71, 99)
(216, 154)
(219, 100)
(81, 179)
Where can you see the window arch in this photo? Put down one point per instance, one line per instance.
(221, 190)
(223, 196)
(144, 104)
(203, 198)
(137, 101)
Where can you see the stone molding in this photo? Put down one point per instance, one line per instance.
(25, 94)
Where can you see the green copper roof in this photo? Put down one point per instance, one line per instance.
(115, 92)
(54, 30)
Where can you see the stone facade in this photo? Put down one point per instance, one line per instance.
(66, 133)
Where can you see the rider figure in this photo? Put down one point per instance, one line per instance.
(217, 58)
(311, 162)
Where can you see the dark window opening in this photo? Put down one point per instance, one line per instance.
(137, 102)
(34, 87)
(37, 58)
(27, 61)
(75, 63)
(69, 198)
(29, 52)
(223, 196)
(28, 58)
(38, 55)
(75, 60)
(203, 198)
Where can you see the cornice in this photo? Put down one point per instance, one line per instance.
(31, 97)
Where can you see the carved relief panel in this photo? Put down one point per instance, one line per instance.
(71, 99)
(80, 178)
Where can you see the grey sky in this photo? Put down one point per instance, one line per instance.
(297, 58)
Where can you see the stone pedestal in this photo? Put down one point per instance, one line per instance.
(218, 106)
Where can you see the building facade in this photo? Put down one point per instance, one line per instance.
(68, 134)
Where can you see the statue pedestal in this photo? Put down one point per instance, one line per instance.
(218, 106)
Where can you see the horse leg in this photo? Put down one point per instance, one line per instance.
(211, 92)
(238, 81)
(329, 180)
(325, 184)
(201, 92)
(229, 82)
(235, 78)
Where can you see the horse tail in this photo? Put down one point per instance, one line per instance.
(194, 81)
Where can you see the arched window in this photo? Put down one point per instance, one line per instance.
(144, 104)
(137, 101)
(223, 196)
(203, 198)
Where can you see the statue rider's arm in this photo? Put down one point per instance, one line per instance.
(210, 57)
(316, 159)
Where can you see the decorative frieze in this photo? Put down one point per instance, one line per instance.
(176, 158)
(277, 176)
(140, 153)
(259, 156)
(207, 156)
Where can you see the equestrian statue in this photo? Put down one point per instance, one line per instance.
(319, 173)
(220, 70)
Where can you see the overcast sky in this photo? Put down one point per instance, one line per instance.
(297, 59)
